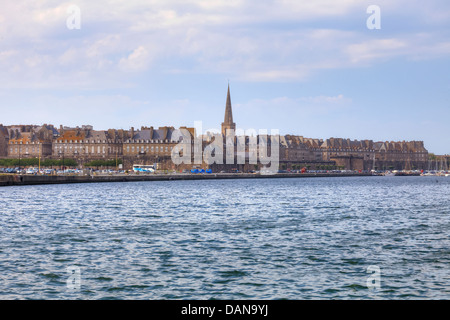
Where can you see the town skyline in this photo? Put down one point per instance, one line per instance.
(225, 149)
(311, 70)
(204, 131)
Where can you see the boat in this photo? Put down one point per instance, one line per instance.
(389, 174)
(376, 173)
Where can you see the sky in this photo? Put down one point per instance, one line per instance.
(309, 68)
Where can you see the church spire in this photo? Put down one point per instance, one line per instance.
(228, 112)
(228, 119)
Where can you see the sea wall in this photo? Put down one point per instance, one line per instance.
(17, 180)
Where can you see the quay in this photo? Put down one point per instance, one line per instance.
(21, 180)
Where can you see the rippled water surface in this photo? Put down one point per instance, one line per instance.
(308, 238)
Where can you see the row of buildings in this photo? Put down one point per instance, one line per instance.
(149, 145)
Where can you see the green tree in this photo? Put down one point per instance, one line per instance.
(34, 162)
(103, 163)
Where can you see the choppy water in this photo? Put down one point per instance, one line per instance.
(224, 239)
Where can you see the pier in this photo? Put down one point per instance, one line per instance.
(21, 180)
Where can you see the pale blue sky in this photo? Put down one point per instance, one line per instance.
(309, 68)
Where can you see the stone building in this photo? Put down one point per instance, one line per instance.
(30, 141)
(86, 144)
(297, 152)
(4, 138)
(153, 146)
(407, 155)
(353, 154)
(348, 154)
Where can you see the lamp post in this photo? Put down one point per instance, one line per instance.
(61, 152)
(20, 149)
(39, 154)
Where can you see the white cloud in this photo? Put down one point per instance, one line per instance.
(272, 40)
(138, 60)
(376, 49)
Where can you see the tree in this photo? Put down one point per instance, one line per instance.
(28, 162)
(103, 163)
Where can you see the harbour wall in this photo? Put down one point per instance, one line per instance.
(19, 180)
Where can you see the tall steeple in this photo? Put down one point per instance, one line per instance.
(228, 120)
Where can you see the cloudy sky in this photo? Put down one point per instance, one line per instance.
(310, 68)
